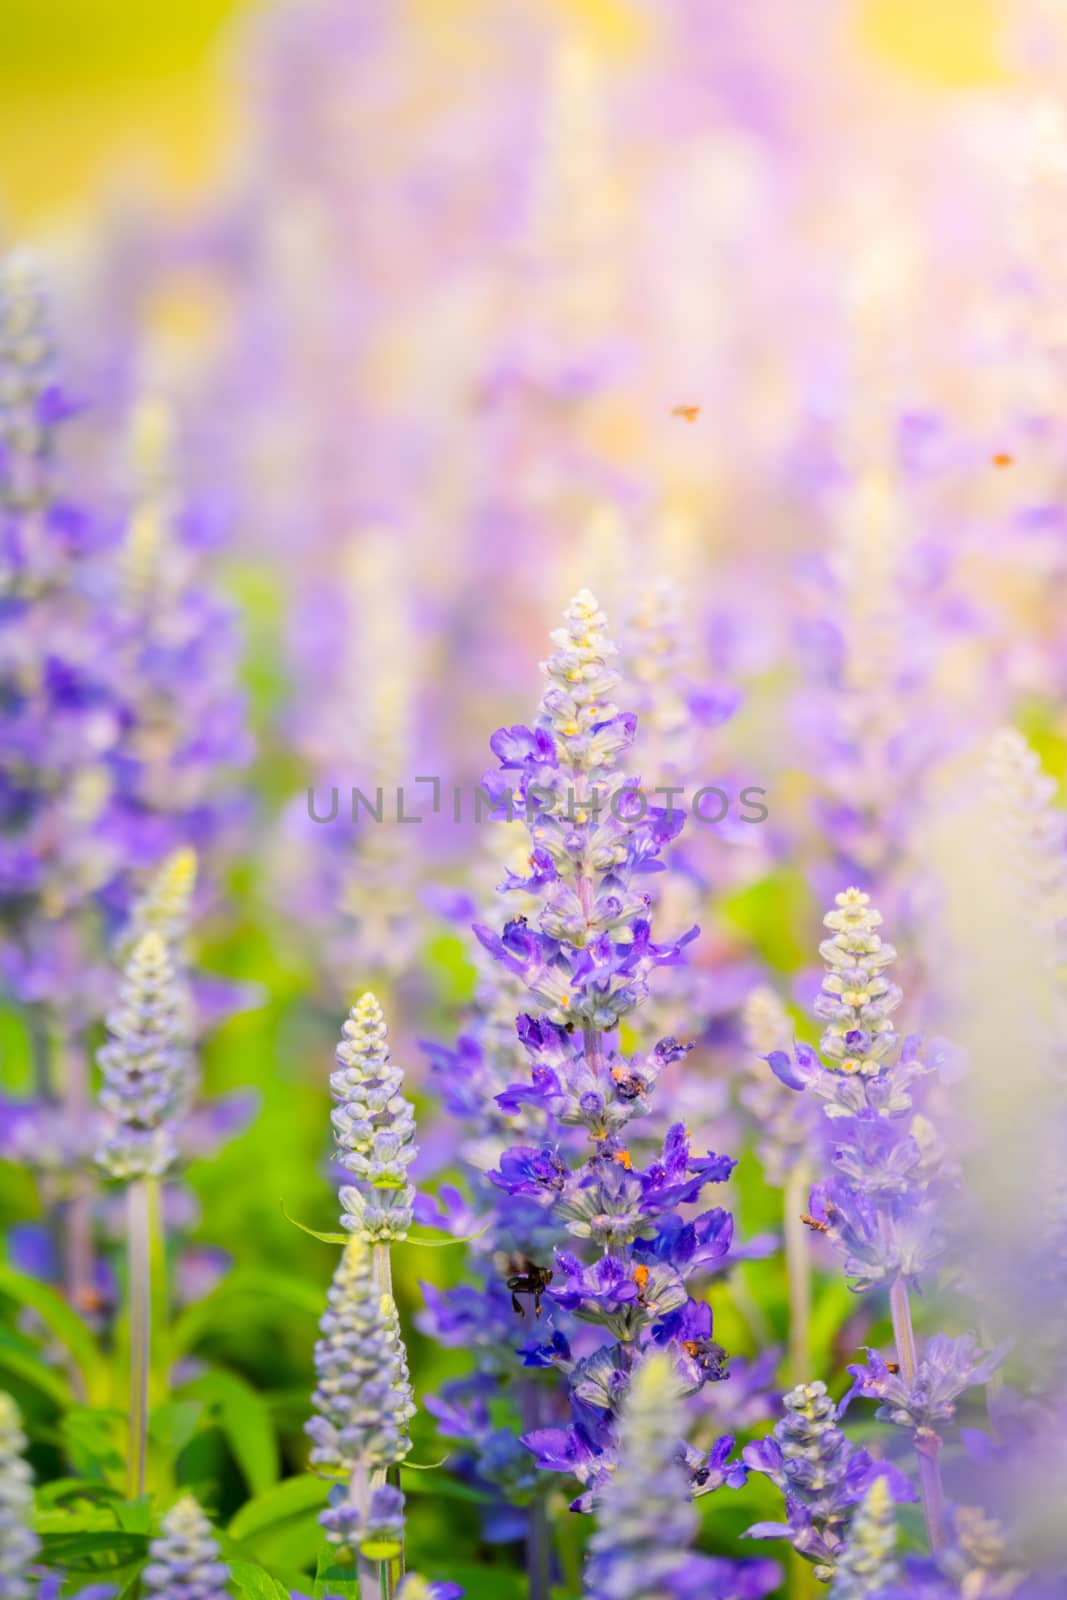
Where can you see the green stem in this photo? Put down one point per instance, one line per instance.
(400, 1562)
(369, 1572)
(382, 1262)
(72, 1072)
(139, 1290)
(538, 1531)
(930, 1487)
(159, 1364)
(798, 1273)
(390, 1572)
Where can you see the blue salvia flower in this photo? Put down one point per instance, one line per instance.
(515, 1129)
(142, 1064)
(374, 1127)
(18, 1542)
(585, 955)
(866, 1566)
(364, 1403)
(645, 1519)
(590, 830)
(925, 1403)
(184, 1561)
(646, 1522)
(31, 407)
(174, 651)
(820, 1473)
(60, 717)
(880, 1207)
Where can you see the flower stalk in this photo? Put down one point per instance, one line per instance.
(798, 1271)
(927, 1443)
(139, 1293)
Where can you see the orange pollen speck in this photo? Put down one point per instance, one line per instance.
(566, 1000)
(641, 1278)
(1002, 459)
(623, 1158)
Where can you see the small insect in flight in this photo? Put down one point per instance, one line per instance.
(523, 1276)
(814, 1223)
(690, 413)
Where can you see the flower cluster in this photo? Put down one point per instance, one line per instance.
(364, 1395)
(363, 1400)
(184, 1561)
(821, 1474)
(142, 1064)
(879, 1207)
(584, 951)
(173, 652)
(374, 1127)
(925, 1401)
(645, 1520)
(866, 1566)
(61, 721)
(18, 1544)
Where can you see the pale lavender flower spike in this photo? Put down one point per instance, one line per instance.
(18, 1543)
(364, 1404)
(142, 1064)
(185, 1561)
(646, 1521)
(374, 1127)
(867, 1565)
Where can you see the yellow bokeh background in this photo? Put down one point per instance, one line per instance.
(97, 92)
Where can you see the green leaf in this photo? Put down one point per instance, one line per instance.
(265, 1290)
(18, 1356)
(443, 1488)
(94, 1439)
(90, 1519)
(333, 1578)
(487, 1583)
(84, 1552)
(60, 1321)
(326, 1238)
(88, 1490)
(252, 1581)
(245, 1419)
(173, 1425)
(135, 1516)
(443, 1244)
(293, 1497)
